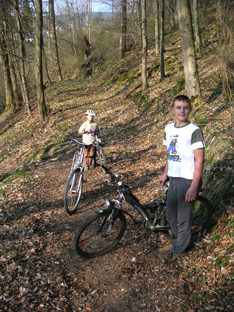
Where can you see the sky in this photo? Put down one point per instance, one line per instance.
(97, 6)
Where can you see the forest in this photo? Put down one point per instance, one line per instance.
(58, 59)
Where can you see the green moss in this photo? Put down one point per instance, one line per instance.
(8, 178)
(129, 76)
(180, 85)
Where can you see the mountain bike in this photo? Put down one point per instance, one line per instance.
(73, 189)
(101, 232)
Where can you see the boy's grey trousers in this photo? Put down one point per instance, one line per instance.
(179, 213)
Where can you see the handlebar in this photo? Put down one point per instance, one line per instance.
(93, 132)
(76, 141)
(116, 178)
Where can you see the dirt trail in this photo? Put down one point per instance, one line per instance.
(39, 268)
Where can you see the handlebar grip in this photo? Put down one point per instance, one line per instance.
(106, 170)
(111, 174)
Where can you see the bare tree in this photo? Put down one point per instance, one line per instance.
(144, 46)
(88, 17)
(55, 45)
(4, 35)
(123, 28)
(156, 8)
(39, 73)
(196, 23)
(10, 101)
(162, 40)
(188, 51)
(22, 58)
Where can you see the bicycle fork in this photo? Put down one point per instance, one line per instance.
(111, 217)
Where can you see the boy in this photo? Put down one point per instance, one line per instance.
(89, 129)
(184, 166)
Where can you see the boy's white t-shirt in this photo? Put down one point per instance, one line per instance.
(181, 142)
(87, 126)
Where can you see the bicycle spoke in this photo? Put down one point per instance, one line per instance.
(99, 234)
(73, 191)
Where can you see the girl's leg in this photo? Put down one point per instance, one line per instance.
(91, 154)
(86, 155)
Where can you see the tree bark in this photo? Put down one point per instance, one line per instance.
(15, 88)
(144, 46)
(55, 45)
(188, 51)
(171, 8)
(10, 102)
(39, 73)
(156, 8)
(123, 28)
(162, 40)
(22, 59)
(196, 23)
(139, 16)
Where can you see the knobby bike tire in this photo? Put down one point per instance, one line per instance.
(202, 215)
(99, 234)
(73, 191)
(76, 159)
(101, 157)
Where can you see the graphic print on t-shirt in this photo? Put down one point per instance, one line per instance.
(172, 152)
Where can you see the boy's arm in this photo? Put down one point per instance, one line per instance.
(191, 193)
(162, 179)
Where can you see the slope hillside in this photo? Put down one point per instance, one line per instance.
(39, 268)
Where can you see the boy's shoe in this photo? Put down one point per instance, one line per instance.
(170, 257)
(86, 168)
(93, 167)
(165, 249)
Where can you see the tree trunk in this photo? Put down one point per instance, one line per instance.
(88, 17)
(10, 102)
(196, 23)
(15, 88)
(123, 28)
(171, 8)
(45, 62)
(156, 8)
(162, 40)
(144, 46)
(188, 51)
(22, 59)
(39, 74)
(139, 12)
(55, 45)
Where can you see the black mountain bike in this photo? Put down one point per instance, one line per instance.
(101, 232)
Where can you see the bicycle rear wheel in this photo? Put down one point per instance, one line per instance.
(101, 157)
(73, 191)
(100, 233)
(202, 215)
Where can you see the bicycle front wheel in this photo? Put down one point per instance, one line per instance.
(202, 215)
(73, 191)
(99, 233)
(101, 157)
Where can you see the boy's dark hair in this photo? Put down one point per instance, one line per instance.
(181, 98)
